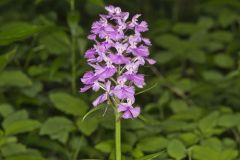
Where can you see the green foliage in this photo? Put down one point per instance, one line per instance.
(68, 104)
(152, 156)
(21, 127)
(87, 127)
(14, 31)
(190, 105)
(152, 144)
(5, 58)
(57, 128)
(14, 79)
(176, 149)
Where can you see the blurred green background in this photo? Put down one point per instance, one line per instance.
(192, 113)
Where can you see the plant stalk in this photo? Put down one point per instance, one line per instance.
(117, 136)
(73, 60)
(72, 4)
(73, 53)
(117, 129)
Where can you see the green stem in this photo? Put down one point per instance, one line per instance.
(73, 53)
(72, 4)
(117, 129)
(117, 136)
(74, 72)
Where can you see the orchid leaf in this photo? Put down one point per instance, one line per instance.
(92, 111)
(147, 89)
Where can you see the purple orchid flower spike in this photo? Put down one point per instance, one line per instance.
(119, 51)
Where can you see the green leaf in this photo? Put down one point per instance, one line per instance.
(173, 125)
(68, 104)
(105, 146)
(133, 125)
(56, 42)
(21, 127)
(152, 156)
(137, 153)
(229, 154)
(185, 28)
(15, 31)
(5, 109)
(126, 147)
(147, 89)
(164, 99)
(129, 137)
(12, 149)
(33, 90)
(178, 106)
(14, 79)
(208, 123)
(229, 120)
(5, 58)
(77, 143)
(57, 128)
(168, 41)
(197, 56)
(226, 18)
(229, 143)
(45, 143)
(15, 116)
(212, 75)
(189, 138)
(213, 46)
(164, 57)
(89, 126)
(222, 36)
(201, 153)
(213, 143)
(6, 139)
(223, 60)
(205, 23)
(36, 70)
(192, 113)
(152, 144)
(25, 157)
(92, 111)
(176, 149)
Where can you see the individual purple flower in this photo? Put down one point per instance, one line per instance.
(137, 79)
(118, 52)
(146, 41)
(141, 27)
(107, 72)
(89, 78)
(128, 110)
(123, 91)
(102, 98)
(141, 51)
(119, 58)
(134, 21)
(91, 53)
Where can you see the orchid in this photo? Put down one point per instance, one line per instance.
(119, 51)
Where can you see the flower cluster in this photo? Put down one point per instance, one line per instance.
(118, 53)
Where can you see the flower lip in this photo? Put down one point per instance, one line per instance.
(128, 110)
